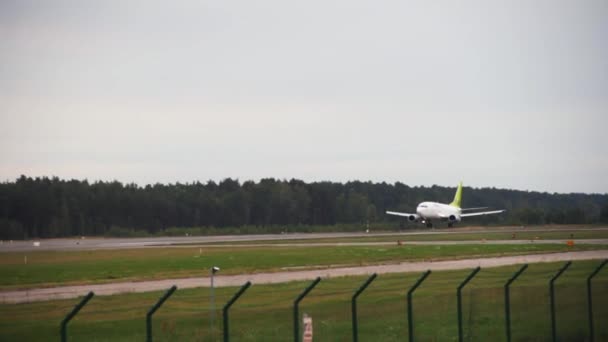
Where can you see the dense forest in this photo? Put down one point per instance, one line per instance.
(51, 207)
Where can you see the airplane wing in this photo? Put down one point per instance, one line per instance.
(468, 209)
(399, 214)
(483, 213)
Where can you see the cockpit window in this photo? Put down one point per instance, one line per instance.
(422, 206)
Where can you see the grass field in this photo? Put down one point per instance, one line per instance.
(98, 266)
(264, 312)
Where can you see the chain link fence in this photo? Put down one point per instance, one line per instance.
(266, 312)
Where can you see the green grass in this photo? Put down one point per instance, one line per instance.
(264, 312)
(50, 268)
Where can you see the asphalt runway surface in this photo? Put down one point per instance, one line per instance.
(125, 243)
(420, 243)
(65, 292)
(162, 241)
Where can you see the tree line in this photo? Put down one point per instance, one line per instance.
(52, 207)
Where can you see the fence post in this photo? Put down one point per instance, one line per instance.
(589, 301)
(296, 313)
(552, 296)
(459, 300)
(410, 319)
(153, 310)
(507, 301)
(64, 323)
(354, 305)
(228, 305)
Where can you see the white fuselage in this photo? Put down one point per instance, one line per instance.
(437, 211)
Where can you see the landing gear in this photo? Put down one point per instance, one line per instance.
(429, 225)
(450, 225)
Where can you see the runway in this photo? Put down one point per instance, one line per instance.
(87, 243)
(416, 243)
(164, 241)
(65, 292)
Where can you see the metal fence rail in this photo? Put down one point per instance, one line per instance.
(552, 297)
(459, 300)
(508, 301)
(590, 300)
(227, 307)
(153, 310)
(354, 306)
(296, 312)
(410, 310)
(69, 316)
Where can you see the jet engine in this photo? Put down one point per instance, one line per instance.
(454, 218)
(413, 218)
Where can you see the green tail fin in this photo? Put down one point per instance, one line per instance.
(457, 197)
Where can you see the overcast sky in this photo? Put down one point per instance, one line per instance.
(507, 94)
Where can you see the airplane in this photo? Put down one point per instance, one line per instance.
(428, 211)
